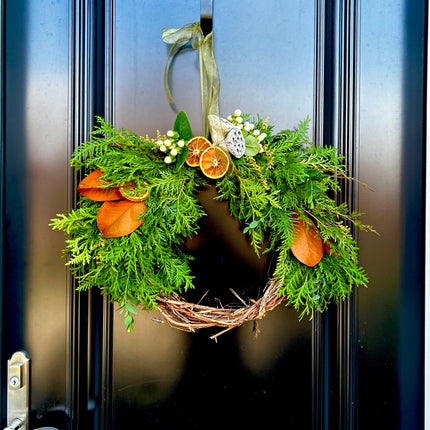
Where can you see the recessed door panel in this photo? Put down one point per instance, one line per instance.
(36, 123)
(390, 330)
(163, 377)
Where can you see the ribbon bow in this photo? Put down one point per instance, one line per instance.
(209, 77)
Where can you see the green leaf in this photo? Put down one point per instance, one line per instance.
(180, 159)
(128, 320)
(131, 308)
(238, 161)
(251, 225)
(252, 146)
(182, 126)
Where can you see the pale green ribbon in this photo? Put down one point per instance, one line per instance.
(209, 77)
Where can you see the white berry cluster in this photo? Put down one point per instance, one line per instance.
(170, 144)
(248, 128)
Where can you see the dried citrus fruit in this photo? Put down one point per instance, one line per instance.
(214, 162)
(196, 146)
(132, 192)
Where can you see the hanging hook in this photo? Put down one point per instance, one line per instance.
(206, 13)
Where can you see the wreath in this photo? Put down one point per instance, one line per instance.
(140, 204)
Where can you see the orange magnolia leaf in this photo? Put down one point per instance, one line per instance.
(116, 219)
(94, 189)
(307, 246)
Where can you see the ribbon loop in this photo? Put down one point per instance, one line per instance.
(209, 77)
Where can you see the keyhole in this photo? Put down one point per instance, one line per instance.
(14, 381)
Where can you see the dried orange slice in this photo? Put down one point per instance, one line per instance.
(214, 162)
(196, 146)
(132, 192)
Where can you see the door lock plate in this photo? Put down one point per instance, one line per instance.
(18, 390)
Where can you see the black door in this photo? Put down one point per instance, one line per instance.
(357, 69)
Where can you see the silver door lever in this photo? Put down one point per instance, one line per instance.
(15, 425)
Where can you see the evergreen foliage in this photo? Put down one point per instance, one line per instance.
(288, 178)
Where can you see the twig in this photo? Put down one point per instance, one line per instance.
(190, 317)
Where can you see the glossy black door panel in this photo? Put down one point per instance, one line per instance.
(37, 148)
(391, 154)
(265, 55)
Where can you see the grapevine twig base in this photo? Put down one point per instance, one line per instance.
(189, 317)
